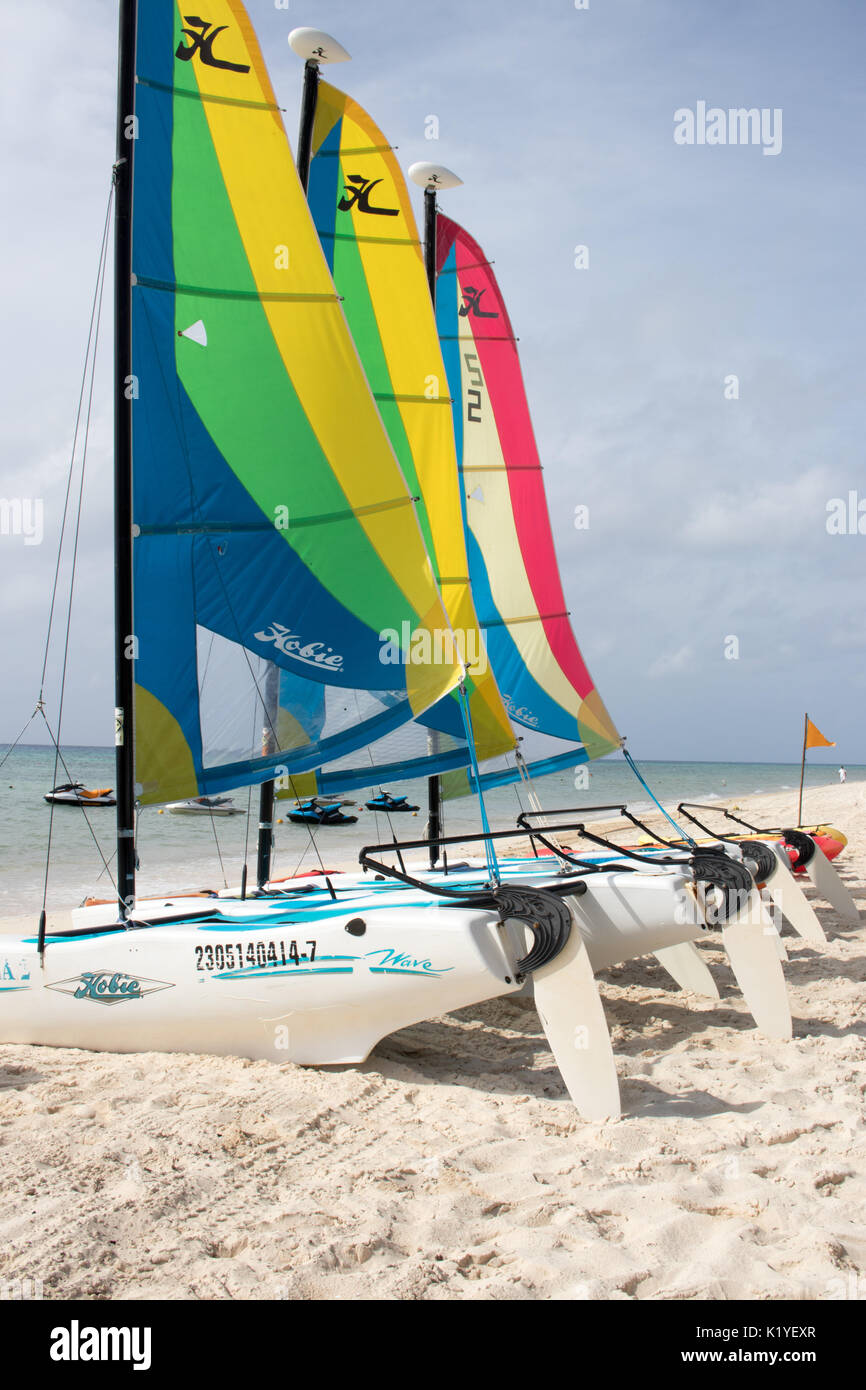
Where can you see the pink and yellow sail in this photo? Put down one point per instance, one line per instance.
(515, 577)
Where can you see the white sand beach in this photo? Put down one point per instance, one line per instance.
(452, 1165)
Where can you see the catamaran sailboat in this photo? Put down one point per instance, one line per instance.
(247, 507)
(509, 554)
(274, 540)
(509, 550)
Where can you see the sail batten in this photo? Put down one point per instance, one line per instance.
(228, 292)
(196, 95)
(230, 527)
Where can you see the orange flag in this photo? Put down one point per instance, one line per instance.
(814, 737)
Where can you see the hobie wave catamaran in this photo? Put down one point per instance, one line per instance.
(376, 263)
(513, 568)
(363, 215)
(375, 254)
(268, 532)
(258, 526)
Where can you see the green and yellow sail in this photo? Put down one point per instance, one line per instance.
(362, 212)
(274, 521)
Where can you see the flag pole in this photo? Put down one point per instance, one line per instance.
(803, 769)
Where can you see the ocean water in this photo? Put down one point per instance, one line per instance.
(182, 852)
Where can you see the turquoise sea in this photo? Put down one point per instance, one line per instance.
(179, 852)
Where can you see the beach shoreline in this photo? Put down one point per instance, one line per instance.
(451, 1164)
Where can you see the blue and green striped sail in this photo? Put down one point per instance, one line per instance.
(273, 522)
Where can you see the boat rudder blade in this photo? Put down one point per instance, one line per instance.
(751, 943)
(568, 1002)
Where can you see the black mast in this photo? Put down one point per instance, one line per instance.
(266, 795)
(308, 116)
(266, 792)
(434, 798)
(124, 641)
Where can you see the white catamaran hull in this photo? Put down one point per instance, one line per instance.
(234, 986)
(313, 981)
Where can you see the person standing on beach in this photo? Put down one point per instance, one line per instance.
(843, 776)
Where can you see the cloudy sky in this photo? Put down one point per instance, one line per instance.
(708, 516)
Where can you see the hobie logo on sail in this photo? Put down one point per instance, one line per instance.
(108, 986)
(519, 712)
(203, 35)
(359, 196)
(421, 647)
(311, 653)
(472, 304)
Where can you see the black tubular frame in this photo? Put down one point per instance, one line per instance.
(729, 815)
(752, 849)
(581, 868)
(526, 816)
(683, 809)
(706, 865)
(471, 896)
(801, 840)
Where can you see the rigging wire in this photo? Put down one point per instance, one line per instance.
(85, 391)
(210, 808)
(489, 850)
(309, 826)
(92, 336)
(217, 843)
(105, 862)
(537, 808)
(633, 765)
(14, 745)
(387, 814)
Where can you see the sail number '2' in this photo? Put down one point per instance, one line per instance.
(473, 392)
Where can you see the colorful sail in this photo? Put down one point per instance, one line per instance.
(515, 579)
(362, 212)
(273, 523)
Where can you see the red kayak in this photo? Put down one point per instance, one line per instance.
(828, 844)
